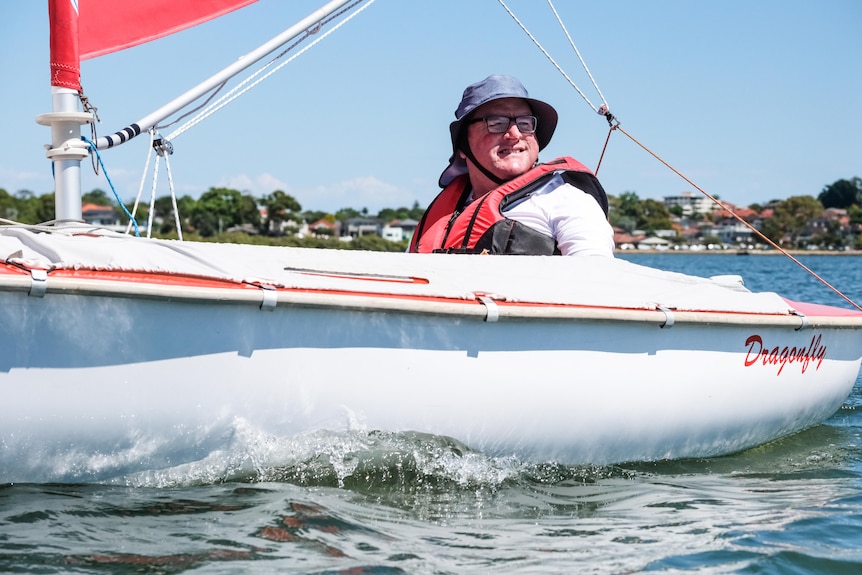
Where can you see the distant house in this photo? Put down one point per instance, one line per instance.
(731, 231)
(626, 241)
(357, 227)
(690, 203)
(653, 243)
(102, 216)
(323, 228)
(399, 230)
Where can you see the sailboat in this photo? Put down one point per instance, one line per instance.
(123, 355)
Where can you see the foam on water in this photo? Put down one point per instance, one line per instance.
(408, 502)
(367, 460)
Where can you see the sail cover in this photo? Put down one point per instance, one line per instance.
(105, 26)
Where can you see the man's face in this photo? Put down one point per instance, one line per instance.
(506, 155)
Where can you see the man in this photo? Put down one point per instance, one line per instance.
(497, 199)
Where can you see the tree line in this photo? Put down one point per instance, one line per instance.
(784, 221)
(218, 210)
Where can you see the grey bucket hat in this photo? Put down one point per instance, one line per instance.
(492, 88)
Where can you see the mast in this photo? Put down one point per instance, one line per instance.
(66, 150)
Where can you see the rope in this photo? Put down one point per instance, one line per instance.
(110, 183)
(153, 195)
(143, 179)
(739, 218)
(87, 106)
(614, 124)
(605, 147)
(212, 95)
(583, 62)
(208, 108)
(238, 90)
(173, 198)
(604, 109)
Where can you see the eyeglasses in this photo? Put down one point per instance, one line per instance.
(501, 124)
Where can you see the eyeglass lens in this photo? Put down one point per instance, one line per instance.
(501, 124)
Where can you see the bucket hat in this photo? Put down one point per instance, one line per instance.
(495, 87)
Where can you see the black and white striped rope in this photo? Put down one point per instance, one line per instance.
(119, 137)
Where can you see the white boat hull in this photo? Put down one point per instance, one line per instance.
(97, 385)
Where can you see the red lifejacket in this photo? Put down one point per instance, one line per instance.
(448, 226)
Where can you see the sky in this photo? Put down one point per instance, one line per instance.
(750, 100)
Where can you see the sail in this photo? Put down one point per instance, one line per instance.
(105, 26)
(65, 65)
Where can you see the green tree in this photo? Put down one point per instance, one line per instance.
(221, 208)
(280, 207)
(35, 209)
(832, 236)
(388, 214)
(347, 213)
(769, 228)
(416, 211)
(625, 211)
(8, 205)
(629, 213)
(26, 205)
(98, 197)
(163, 213)
(842, 194)
(312, 216)
(655, 216)
(791, 216)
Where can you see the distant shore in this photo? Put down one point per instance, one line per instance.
(740, 252)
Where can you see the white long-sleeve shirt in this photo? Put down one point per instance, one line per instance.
(569, 215)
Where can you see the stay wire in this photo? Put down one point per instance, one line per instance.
(209, 107)
(247, 84)
(143, 180)
(739, 218)
(614, 124)
(604, 110)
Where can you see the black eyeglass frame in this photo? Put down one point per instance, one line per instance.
(534, 120)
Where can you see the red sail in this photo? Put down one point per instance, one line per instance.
(65, 66)
(106, 26)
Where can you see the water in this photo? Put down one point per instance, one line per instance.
(407, 503)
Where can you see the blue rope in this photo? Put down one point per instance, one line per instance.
(110, 183)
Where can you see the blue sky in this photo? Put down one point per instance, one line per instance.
(752, 100)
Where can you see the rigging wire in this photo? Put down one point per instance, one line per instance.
(143, 179)
(244, 86)
(614, 124)
(153, 195)
(604, 109)
(173, 198)
(209, 107)
(213, 93)
(742, 220)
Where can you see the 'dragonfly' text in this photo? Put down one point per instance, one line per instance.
(811, 354)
